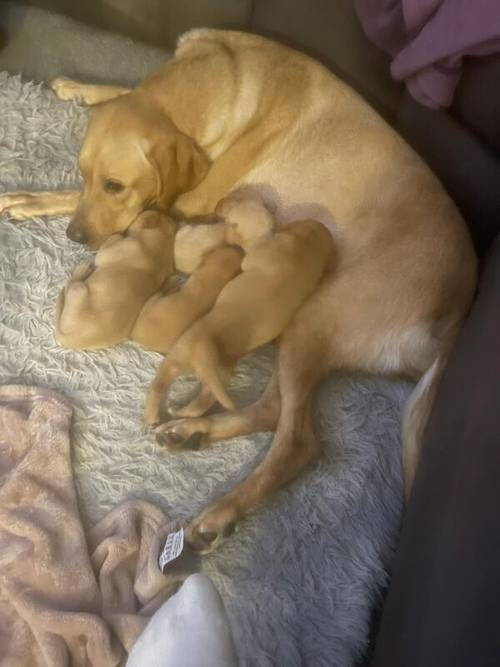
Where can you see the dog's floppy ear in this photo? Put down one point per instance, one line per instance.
(179, 163)
(192, 163)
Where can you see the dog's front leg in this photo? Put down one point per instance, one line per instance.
(27, 205)
(85, 93)
(292, 450)
(226, 173)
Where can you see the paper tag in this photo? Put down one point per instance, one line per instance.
(172, 549)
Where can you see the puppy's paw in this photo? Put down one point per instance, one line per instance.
(152, 412)
(82, 271)
(213, 525)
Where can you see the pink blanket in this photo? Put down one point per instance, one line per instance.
(67, 598)
(428, 40)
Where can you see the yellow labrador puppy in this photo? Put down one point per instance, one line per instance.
(202, 250)
(278, 274)
(233, 109)
(101, 303)
(167, 316)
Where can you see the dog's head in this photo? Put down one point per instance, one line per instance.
(133, 158)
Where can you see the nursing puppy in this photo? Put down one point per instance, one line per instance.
(100, 305)
(278, 274)
(211, 253)
(165, 317)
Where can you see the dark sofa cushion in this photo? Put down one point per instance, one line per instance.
(331, 32)
(467, 166)
(477, 102)
(444, 604)
(157, 21)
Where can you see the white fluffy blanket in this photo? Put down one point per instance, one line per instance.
(300, 577)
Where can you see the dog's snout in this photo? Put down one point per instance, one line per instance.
(76, 235)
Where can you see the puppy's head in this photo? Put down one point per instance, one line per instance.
(247, 218)
(133, 158)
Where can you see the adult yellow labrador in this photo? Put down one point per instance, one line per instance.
(233, 109)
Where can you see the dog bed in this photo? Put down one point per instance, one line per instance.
(300, 577)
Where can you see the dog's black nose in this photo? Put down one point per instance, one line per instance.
(76, 235)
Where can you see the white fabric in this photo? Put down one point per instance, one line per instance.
(189, 630)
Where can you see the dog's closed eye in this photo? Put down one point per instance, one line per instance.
(113, 187)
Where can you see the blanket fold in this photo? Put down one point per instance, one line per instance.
(429, 40)
(67, 598)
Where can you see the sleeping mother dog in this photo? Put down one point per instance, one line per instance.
(233, 109)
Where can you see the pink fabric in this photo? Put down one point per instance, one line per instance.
(66, 597)
(428, 40)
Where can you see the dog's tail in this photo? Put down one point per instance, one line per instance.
(208, 369)
(416, 416)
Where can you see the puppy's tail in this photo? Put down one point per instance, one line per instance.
(208, 369)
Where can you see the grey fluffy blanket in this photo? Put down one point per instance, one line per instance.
(300, 577)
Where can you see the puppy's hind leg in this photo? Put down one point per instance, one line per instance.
(72, 300)
(197, 407)
(169, 370)
(206, 396)
(201, 432)
(214, 372)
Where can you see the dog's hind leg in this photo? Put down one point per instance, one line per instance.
(85, 93)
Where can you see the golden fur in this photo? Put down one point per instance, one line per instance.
(166, 316)
(101, 303)
(208, 253)
(278, 274)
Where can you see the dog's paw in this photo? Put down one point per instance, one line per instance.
(66, 89)
(213, 525)
(182, 434)
(16, 205)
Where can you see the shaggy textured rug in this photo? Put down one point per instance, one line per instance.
(301, 576)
